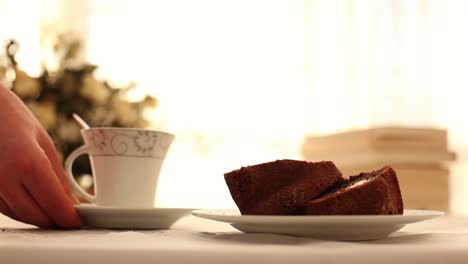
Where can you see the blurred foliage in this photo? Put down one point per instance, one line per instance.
(56, 94)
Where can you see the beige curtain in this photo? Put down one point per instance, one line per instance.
(390, 62)
(230, 74)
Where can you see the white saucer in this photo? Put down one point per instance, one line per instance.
(337, 227)
(129, 218)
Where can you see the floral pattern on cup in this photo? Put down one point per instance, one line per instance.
(128, 142)
(99, 139)
(145, 141)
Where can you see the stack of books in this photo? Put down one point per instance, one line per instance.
(420, 157)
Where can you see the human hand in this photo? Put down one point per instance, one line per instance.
(33, 185)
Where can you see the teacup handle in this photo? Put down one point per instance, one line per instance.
(68, 167)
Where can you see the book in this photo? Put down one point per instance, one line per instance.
(419, 156)
(422, 203)
(426, 201)
(418, 170)
(385, 138)
(422, 187)
(364, 155)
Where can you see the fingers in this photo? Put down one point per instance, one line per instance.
(23, 207)
(48, 146)
(5, 209)
(46, 188)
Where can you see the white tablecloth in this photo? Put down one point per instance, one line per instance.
(193, 240)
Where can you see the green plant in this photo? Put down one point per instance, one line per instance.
(56, 94)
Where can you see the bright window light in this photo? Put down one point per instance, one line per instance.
(229, 78)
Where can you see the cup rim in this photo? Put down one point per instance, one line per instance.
(127, 129)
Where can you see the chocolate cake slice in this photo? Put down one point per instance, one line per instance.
(280, 187)
(373, 193)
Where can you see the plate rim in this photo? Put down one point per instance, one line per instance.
(135, 218)
(91, 210)
(318, 219)
(93, 207)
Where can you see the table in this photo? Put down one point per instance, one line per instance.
(193, 240)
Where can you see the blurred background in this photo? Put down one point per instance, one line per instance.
(249, 81)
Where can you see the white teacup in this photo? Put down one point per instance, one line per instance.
(125, 162)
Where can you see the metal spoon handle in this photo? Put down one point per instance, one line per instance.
(80, 121)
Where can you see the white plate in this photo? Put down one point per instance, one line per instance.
(130, 218)
(336, 227)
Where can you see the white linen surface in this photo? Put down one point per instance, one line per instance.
(193, 240)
